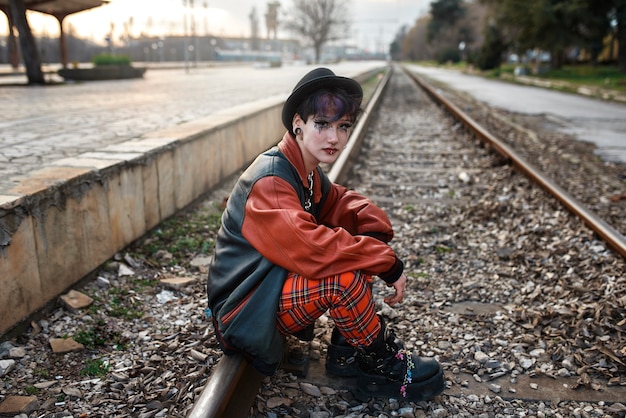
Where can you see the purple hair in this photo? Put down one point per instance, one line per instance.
(335, 103)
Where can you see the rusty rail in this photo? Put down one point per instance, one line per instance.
(609, 234)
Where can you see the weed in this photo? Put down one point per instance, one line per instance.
(442, 249)
(142, 284)
(101, 335)
(119, 309)
(95, 368)
(31, 390)
(89, 338)
(94, 308)
(184, 236)
(418, 275)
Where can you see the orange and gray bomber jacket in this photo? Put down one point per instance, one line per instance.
(266, 233)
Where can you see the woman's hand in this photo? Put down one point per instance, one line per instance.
(400, 287)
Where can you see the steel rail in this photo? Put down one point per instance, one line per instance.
(234, 384)
(610, 235)
(339, 170)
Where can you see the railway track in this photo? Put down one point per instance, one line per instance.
(426, 169)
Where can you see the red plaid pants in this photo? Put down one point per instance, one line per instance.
(347, 297)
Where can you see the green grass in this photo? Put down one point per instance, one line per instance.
(95, 368)
(184, 236)
(102, 334)
(443, 249)
(608, 77)
(31, 390)
(601, 76)
(110, 59)
(369, 86)
(122, 306)
(89, 338)
(418, 275)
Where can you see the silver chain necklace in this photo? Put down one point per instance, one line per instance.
(309, 196)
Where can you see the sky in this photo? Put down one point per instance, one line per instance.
(375, 22)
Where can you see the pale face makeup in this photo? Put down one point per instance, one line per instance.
(322, 139)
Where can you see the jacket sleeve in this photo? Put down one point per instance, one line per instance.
(277, 226)
(355, 213)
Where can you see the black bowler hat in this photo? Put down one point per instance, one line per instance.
(317, 79)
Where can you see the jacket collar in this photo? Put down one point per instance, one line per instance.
(290, 148)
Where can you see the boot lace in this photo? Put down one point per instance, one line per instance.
(404, 355)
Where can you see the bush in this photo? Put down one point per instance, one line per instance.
(490, 55)
(109, 59)
(451, 54)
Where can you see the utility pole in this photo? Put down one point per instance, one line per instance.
(193, 33)
(186, 41)
(206, 19)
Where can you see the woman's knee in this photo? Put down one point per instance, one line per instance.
(354, 286)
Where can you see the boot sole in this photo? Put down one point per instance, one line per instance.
(378, 386)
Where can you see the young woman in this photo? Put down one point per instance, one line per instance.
(293, 246)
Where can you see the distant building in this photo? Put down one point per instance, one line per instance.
(169, 49)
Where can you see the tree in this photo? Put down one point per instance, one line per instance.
(395, 49)
(619, 13)
(414, 45)
(453, 29)
(420, 42)
(592, 24)
(444, 14)
(319, 22)
(30, 54)
(490, 53)
(593, 21)
(540, 24)
(556, 25)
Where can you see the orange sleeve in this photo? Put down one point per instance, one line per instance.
(278, 227)
(356, 213)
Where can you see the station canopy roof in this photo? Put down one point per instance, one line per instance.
(59, 7)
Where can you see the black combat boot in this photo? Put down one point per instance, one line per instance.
(386, 369)
(341, 356)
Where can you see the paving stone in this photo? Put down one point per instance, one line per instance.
(177, 282)
(76, 300)
(65, 345)
(13, 405)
